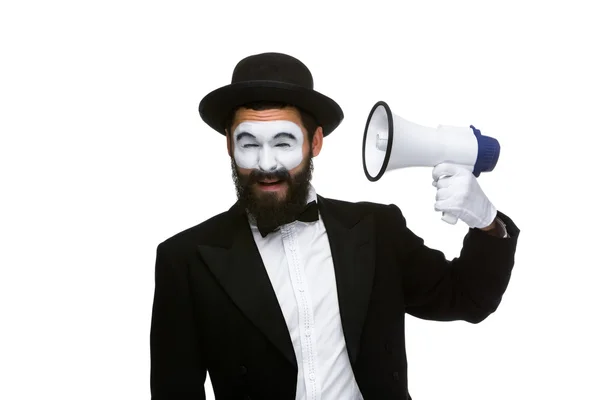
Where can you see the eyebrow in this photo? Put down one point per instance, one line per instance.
(244, 134)
(284, 134)
(279, 135)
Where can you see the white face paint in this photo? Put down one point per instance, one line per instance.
(268, 145)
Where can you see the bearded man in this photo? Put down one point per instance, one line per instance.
(291, 295)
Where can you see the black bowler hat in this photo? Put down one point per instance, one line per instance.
(270, 77)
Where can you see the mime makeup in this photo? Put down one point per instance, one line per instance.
(268, 145)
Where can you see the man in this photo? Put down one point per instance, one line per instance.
(290, 295)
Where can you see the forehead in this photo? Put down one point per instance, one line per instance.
(284, 114)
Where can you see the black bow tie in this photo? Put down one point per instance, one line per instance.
(309, 214)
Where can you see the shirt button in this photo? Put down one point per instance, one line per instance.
(307, 333)
(301, 289)
(312, 376)
(396, 376)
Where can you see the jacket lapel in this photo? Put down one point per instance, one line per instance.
(235, 261)
(352, 242)
(238, 267)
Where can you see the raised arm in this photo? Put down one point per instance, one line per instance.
(470, 287)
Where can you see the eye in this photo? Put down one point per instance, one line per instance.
(282, 145)
(249, 145)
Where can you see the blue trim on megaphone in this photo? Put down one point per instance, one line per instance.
(488, 153)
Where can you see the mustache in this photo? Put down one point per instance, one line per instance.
(257, 175)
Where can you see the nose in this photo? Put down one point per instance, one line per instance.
(266, 161)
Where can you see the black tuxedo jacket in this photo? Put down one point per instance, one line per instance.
(215, 310)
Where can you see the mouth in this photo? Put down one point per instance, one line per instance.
(269, 181)
(270, 184)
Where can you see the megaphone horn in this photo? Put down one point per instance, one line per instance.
(391, 142)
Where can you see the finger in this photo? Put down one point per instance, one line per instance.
(444, 169)
(443, 182)
(447, 205)
(449, 169)
(439, 206)
(443, 194)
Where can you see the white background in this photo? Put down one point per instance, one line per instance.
(103, 156)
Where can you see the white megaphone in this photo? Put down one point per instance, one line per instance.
(391, 142)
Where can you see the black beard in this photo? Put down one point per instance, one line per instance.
(268, 209)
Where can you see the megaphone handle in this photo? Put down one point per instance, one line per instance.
(449, 218)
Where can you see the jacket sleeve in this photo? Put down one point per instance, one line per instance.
(177, 370)
(469, 287)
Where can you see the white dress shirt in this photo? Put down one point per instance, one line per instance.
(298, 260)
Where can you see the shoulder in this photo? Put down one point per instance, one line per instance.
(367, 206)
(207, 232)
(362, 208)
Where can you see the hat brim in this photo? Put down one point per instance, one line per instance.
(216, 106)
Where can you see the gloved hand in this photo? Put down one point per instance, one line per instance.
(459, 193)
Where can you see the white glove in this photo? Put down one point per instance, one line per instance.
(459, 194)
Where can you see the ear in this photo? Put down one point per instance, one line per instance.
(317, 142)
